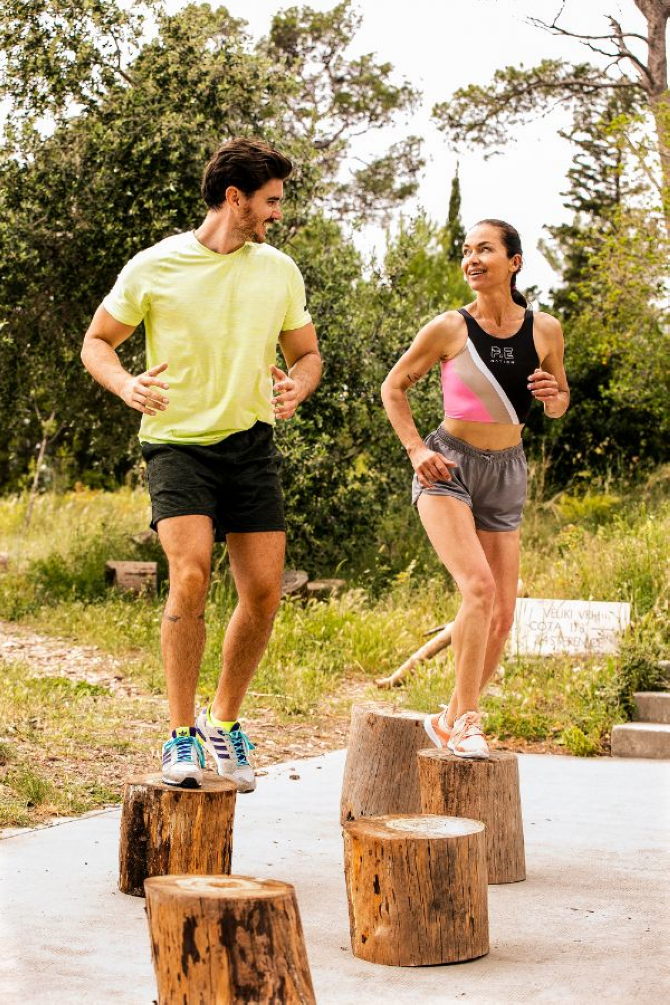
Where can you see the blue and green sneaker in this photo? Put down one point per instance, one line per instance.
(230, 749)
(183, 758)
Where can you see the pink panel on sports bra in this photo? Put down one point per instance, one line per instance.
(460, 400)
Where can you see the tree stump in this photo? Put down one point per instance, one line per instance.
(294, 583)
(137, 577)
(322, 589)
(483, 790)
(380, 773)
(167, 830)
(227, 940)
(417, 889)
(4, 561)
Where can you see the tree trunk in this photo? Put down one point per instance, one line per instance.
(417, 889)
(654, 80)
(380, 774)
(483, 790)
(167, 830)
(227, 940)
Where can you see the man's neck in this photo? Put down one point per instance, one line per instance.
(219, 233)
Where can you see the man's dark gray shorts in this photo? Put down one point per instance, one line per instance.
(491, 482)
(235, 481)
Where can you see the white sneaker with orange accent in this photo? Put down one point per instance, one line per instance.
(437, 727)
(467, 738)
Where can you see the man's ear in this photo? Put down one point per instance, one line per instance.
(232, 197)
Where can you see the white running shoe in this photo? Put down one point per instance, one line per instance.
(437, 727)
(183, 758)
(230, 750)
(467, 738)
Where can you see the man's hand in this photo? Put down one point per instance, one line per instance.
(430, 466)
(286, 398)
(141, 392)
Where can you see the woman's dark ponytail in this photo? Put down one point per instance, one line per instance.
(517, 296)
(512, 241)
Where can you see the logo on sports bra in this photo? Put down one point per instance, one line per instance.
(504, 355)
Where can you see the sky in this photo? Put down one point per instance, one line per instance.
(440, 46)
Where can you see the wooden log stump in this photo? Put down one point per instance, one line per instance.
(484, 790)
(294, 583)
(380, 773)
(4, 561)
(227, 940)
(137, 577)
(166, 829)
(417, 890)
(323, 589)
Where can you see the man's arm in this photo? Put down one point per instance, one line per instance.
(549, 383)
(99, 356)
(300, 349)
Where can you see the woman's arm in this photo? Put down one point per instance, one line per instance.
(436, 340)
(549, 383)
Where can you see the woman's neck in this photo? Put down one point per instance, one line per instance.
(496, 306)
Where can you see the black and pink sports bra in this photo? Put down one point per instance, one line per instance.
(487, 381)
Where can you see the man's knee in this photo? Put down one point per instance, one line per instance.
(189, 579)
(262, 601)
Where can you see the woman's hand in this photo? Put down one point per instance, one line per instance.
(430, 467)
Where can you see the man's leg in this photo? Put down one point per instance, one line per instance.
(187, 542)
(256, 562)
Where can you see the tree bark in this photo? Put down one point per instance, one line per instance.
(486, 790)
(167, 830)
(380, 773)
(417, 891)
(227, 940)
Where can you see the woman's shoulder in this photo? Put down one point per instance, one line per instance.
(547, 324)
(448, 323)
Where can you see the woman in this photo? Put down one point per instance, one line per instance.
(469, 481)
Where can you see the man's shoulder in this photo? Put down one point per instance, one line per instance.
(267, 253)
(163, 249)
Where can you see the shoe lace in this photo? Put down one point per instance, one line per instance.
(186, 748)
(242, 745)
(471, 726)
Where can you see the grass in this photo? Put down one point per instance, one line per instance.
(65, 746)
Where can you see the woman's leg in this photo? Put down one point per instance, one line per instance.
(502, 553)
(450, 527)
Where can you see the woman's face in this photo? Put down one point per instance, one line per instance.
(485, 263)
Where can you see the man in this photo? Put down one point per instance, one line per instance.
(214, 303)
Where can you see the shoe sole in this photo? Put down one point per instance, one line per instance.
(186, 783)
(468, 756)
(432, 734)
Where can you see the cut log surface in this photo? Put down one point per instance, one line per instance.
(417, 889)
(139, 577)
(227, 940)
(380, 773)
(486, 790)
(294, 582)
(166, 829)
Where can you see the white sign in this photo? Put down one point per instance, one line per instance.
(542, 627)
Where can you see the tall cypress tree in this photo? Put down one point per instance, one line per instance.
(454, 232)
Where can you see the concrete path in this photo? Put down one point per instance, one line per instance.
(589, 924)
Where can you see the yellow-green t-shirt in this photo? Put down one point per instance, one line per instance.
(215, 319)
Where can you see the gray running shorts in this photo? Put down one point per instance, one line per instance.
(491, 482)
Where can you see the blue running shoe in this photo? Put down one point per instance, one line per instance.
(230, 750)
(183, 758)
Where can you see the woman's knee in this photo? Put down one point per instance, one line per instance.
(502, 621)
(480, 590)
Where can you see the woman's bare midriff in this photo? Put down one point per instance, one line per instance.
(484, 435)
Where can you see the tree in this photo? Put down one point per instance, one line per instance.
(454, 231)
(489, 115)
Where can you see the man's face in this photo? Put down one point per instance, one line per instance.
(260, 209)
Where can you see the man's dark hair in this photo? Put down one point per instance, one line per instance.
(246, 164)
